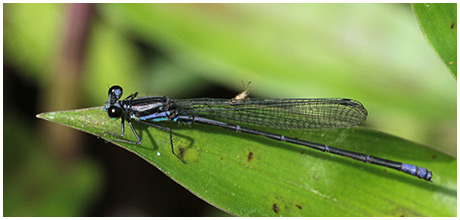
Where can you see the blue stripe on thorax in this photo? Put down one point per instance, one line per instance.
(159, 116)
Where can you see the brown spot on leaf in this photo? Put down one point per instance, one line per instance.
(275, 208)
(250, 155)
(314, 177)
(452, 26)
(298, 206)
(181, 152)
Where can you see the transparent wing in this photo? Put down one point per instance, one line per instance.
(324, 113)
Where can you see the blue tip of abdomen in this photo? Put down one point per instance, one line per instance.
(419, 172)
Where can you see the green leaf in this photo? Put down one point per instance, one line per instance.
(254, 176)
(439, 25)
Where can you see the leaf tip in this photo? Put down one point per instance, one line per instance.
(45, 116)
(40, 115)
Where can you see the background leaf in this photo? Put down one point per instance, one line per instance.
(439, 25)
(253, 176)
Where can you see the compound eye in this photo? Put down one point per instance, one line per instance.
(114, 112)
(116, 91)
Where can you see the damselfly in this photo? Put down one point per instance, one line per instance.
(321, 113)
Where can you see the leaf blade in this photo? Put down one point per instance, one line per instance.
(254, 176)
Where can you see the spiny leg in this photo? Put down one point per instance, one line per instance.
(123, 133)
(170, 136)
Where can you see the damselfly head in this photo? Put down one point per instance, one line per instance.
(115, 93)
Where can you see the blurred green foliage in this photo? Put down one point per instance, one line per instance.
(32, 33)
(374, 53)
(439, 24)
(34, 182)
